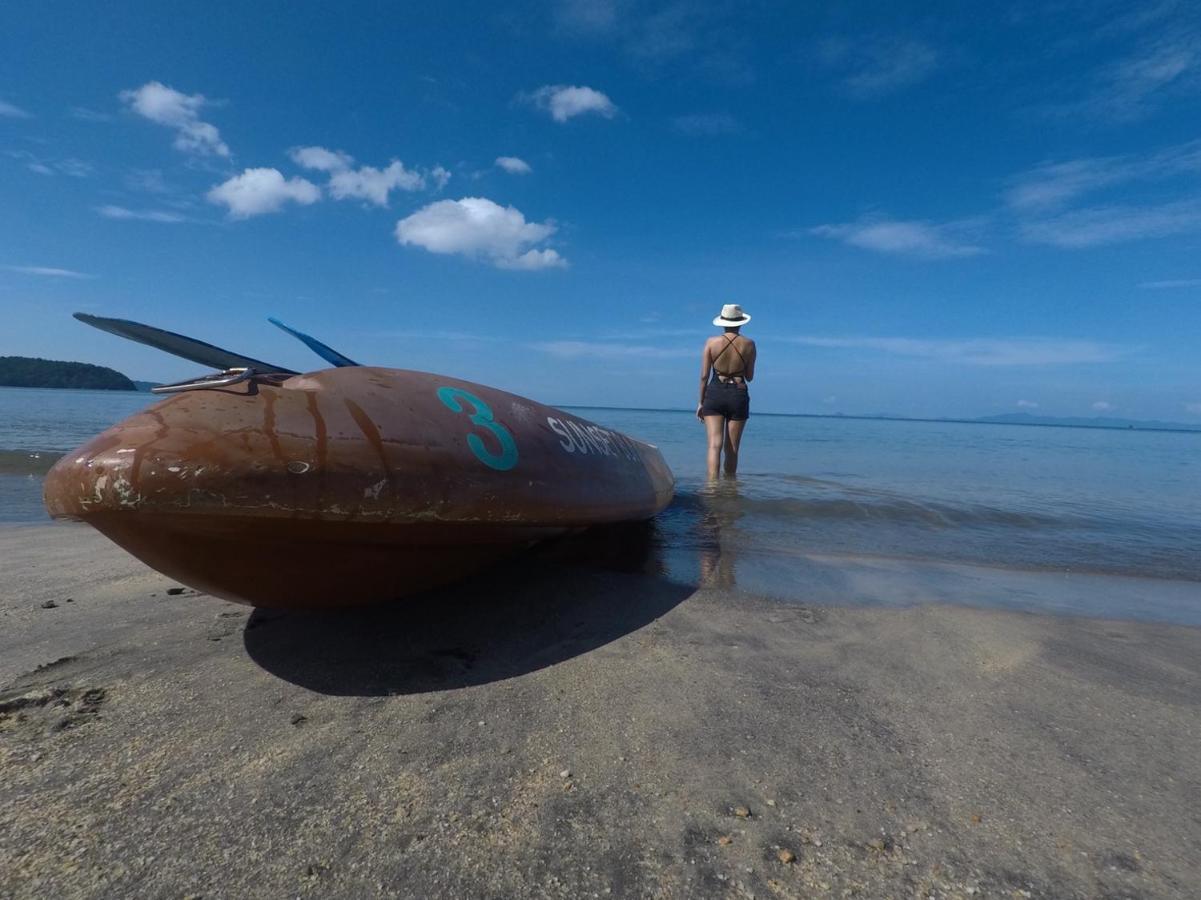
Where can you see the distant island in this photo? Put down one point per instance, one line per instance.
(31, 372)
(1093, 422)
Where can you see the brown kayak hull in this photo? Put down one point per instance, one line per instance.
(348, 486)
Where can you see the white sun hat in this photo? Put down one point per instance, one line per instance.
(731, 316)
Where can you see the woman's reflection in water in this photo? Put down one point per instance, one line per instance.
(717, 535)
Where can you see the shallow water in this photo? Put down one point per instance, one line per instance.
(1061, 499)
(37, 426)
(812, 490)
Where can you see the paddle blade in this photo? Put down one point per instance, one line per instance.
(180, 345)
(329, 354)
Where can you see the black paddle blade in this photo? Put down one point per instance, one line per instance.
(327, 353)
(181, 345)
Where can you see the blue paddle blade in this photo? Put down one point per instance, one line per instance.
(329, 354)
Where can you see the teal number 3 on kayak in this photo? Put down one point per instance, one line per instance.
(482, 415)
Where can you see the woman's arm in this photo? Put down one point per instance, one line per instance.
(706, 365)
(749, 375)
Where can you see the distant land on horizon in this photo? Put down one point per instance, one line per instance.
(35, 372)
(1088, 422)
(1106, 422)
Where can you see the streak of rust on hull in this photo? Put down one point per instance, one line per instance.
(346, 486)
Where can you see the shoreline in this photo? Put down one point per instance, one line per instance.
(876, 581)
(557, 729)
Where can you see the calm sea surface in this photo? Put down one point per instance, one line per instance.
(942, 495)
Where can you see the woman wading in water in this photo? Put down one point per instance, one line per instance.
(725, 402)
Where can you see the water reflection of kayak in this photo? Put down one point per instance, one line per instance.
(348, 486)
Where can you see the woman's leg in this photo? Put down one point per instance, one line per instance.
(715, 430)
(733, 439)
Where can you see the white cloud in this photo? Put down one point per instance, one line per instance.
(1104, 406)
(374, 185)
(669, 33)
(607, 350)
(181, 112)
(321, 159)
(1132, 87)
(143, 215)
(564, 102)
(1027, 404)
(440, 176)
(873, 67)
(1171, 283)
(1051, 185)
(48, 272)
(706, 41)
(259, 191)
(478, 228)
(920, 239)
(1100, 225)
(76, 168)
(89, 115)
(366, 182)
(513, 165)
(150, 181)
(1042, 198)
(978, 351)
(533, 259)
(437, 335)
(587, 16)
(706, 124)
(13, 112)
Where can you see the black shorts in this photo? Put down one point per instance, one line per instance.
(727, 398)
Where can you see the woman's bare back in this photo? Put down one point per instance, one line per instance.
(732, 358)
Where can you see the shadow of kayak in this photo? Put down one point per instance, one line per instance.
(551, 604)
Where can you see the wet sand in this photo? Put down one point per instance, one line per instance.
(556, 728)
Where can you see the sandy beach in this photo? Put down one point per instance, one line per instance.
(555, 728)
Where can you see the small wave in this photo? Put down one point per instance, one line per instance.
(831, 502)
(766, 532)
(27, 462)
(897, 510)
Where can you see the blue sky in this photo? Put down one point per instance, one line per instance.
(932, 209)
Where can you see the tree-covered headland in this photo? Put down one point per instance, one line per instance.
(27, 371)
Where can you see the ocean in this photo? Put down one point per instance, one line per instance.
(829, 509)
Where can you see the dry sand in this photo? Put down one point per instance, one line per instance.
(555, 729)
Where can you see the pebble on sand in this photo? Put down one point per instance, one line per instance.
(49, 604)
(785, 856)
(742, 812)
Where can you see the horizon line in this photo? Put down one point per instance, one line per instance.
(1129, 424)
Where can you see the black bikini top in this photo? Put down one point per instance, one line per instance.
(730, 342)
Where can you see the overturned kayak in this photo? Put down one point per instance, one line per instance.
(347, 486)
